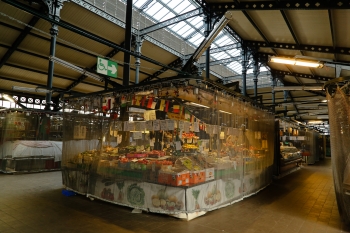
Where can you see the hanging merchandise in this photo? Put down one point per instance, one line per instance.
(182, 151)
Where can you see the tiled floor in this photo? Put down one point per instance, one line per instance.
(300, 202)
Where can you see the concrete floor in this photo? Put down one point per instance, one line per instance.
(303, 201)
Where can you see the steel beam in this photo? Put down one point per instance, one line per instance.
(217, 50)
(171, 21)
(278, 5)
(44, 73)
(83, 77)
(303, 47)
(300, 75)
(331, 24)
(221, 62)
(85, 33)
(34, 84)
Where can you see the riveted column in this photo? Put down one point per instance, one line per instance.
(54, 8)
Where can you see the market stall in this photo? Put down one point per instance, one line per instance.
(30, 141)
(179, 150)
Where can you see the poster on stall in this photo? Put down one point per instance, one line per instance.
(204, 197)
(232, 189)
(165, 199)
(149, 125)
(135, 194)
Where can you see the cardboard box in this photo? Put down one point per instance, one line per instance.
(197, 176)
(174, 178)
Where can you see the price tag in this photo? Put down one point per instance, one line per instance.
(178, 145)
(137, 135)
(151, 142)
(215, 129)
(209, 129)
(170, 124)
(181, 125)
(196, 126)
(186, 126)
(156, 125)
(163, 125)
(149, 125)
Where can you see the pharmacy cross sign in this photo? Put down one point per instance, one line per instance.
(107, 67)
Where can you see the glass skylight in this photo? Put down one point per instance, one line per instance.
(192, 30)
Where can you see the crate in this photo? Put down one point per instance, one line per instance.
(174, 178)
(196, 177)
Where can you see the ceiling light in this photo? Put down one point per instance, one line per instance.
(30, 89)
(224, 112)
(75, 68)
(197, 105)
(297, 62)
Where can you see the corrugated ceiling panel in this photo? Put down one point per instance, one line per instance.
(290, 79)
(341, 29)
(29, 61)
(2, 51)
(243, 27)
(300, 69)
(325, 71)
(8, 35)
(86, 88)
(311, 26)
(36, 45)
(319, 55)
(91, 22)
(29, 76)
(308, 81)
(7, 85)
(343, 57)
(272, 25)
(15, 13)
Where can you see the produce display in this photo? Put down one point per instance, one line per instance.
(171, 157)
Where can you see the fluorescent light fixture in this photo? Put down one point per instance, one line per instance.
(322, 117)
(297, 62)
(209, 39)
(298, 88)
(75, 68)
(224, 112)
(9, 98)
(30, 89)
(324, 101)
(197, 105)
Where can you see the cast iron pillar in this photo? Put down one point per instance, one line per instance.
(245, 60)
(138, 45)
(273, 79)
(285, 94)
(128, 25)
(256, 71)
(207, 22)
(54, 8)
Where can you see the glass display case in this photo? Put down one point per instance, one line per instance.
(181, 150)
(30, 141)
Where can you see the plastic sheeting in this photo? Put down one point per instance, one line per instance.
(339, 112)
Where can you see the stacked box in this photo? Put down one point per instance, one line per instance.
(197, 176)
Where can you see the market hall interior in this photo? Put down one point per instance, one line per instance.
(303, 201)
